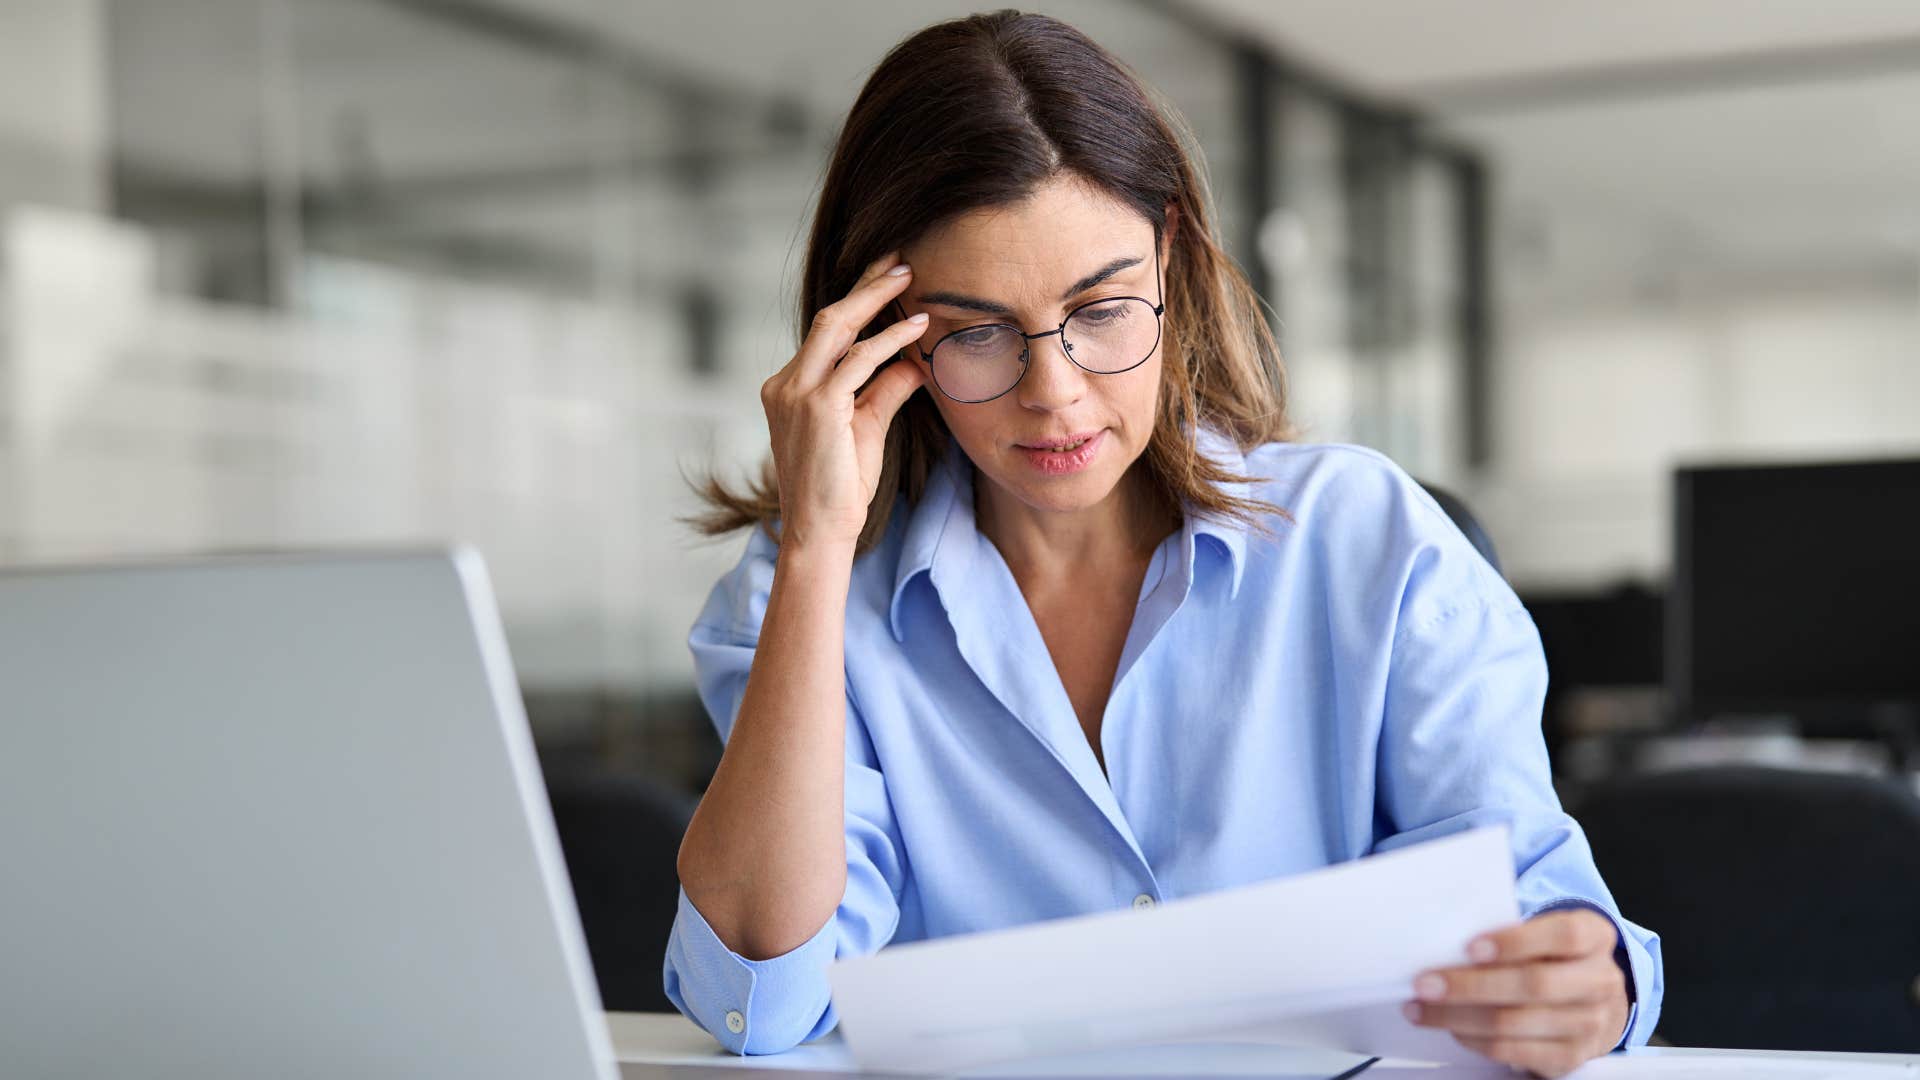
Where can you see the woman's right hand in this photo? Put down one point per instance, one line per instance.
(828, 435)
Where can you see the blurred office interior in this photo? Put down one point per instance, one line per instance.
(284, 274)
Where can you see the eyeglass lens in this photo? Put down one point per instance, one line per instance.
(1105, 337)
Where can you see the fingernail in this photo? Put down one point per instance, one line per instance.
(1412, 1012)
(917, 318)
(1481, 949)
(1430, 988)
(903, 268)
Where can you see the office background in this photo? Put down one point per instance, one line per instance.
(295, 273)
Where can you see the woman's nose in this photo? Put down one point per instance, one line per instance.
(1053, 381)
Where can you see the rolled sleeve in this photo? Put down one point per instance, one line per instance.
(767, 1006)
(1461, 746)
(751, 1006)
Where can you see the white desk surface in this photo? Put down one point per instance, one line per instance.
(672, 1039)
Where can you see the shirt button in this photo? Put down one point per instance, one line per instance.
(735, 1022)
(1143, 901)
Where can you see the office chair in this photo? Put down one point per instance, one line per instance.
(620, 833)
(1468, 524)
(1787, 902)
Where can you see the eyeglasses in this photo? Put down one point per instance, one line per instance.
(1106, 337)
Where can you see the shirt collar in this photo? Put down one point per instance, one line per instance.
(945, 510)
(1229, 533)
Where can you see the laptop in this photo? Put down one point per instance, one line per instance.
(278, 816)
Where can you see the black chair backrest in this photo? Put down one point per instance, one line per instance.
(620, 833)
(1788, 903)
(1467, 523)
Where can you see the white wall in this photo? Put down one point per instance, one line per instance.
(386, 408)
(53, 124)
(1728, 272)
(1597, 405)
(53, 133)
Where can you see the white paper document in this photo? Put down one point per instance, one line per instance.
(1322, 959)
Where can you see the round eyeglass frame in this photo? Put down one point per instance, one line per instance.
(1026, 351)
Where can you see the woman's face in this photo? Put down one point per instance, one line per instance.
(1028, 265)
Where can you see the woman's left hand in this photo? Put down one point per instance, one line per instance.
(1544, 994)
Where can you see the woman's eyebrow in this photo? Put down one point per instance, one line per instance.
(995, 307)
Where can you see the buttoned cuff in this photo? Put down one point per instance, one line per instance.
(1631, 962)
(750, 1006)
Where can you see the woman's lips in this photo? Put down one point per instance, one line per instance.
(1062, 462)
(1057, 444)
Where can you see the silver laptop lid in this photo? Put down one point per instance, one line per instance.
(278, 817)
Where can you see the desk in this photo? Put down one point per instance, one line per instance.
(669, 1039)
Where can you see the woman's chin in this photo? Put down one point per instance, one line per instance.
(1060, 494)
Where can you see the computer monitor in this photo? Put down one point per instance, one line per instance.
(1796, 592)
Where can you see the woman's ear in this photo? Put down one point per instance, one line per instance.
(1171, 230)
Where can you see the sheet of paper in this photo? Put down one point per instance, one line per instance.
(1320, 959)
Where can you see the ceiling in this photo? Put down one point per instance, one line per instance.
(1434, 45)
(1636, 140)
(1627, 136)
(1751, 139)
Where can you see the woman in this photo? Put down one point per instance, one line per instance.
(1075, 628)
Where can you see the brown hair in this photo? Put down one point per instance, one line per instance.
(979, 112)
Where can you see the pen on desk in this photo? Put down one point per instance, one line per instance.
(1356, 1070)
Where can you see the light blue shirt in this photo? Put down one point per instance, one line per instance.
(1366, 682)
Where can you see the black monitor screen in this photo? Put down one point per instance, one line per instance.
(1796, 586)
